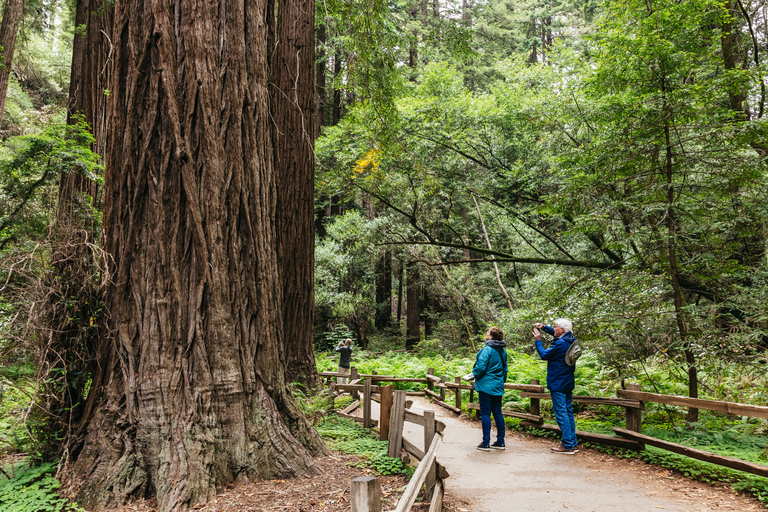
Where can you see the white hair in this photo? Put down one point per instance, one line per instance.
(564, 324)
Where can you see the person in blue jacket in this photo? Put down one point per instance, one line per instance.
(490, 373)
(560, 380)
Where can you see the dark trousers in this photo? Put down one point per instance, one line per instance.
(491, 404)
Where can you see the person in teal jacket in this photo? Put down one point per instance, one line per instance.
(490, 373)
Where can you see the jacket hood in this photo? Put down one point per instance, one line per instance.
(497, 343)
(569, 337)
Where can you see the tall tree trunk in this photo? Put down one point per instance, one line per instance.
(321, 90)
(191, 393)
(336, 92)
(292, 93)
(8, 30)
(67, 361)
(413, 283)
(679, 300)
(729, 41)
(400, 278)
(383, 290)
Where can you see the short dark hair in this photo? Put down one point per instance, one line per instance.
(496, 333)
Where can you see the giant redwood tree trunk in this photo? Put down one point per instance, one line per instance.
(8, 30)
(292, 98)
(191, 392)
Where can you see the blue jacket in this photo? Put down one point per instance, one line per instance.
(490, 368)
(559, 375)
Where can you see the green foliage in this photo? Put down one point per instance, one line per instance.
(16, 393)
(33, 489)
(349, 437)
(29, 165)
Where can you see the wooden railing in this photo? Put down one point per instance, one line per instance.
(632, 400)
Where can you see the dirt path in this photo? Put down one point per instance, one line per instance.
(527, 477)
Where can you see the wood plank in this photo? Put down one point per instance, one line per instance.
(751, 411)
(596, 400)
(512, 414)
(429, 434)
(589, 436)
(396, 424)
(415, 393)
(351, 407)
(414, 450)
(432, 378)
(436, 505)
(457, 392)
(355, 418)
(534, 388)
(367, 404)
(365, 494)
(412, 417)
(387, 393)
(720, 460)
(440, 402)
(454, 385)
(353, 388)
(385, 378)
(409, 496)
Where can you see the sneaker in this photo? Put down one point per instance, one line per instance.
(484, 447)
(498, 446)
(562, 450)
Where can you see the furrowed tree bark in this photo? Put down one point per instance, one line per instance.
(191, 394)
(292, 93)
(8, 30)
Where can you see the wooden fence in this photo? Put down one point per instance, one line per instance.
(394, 405)
(632, 400)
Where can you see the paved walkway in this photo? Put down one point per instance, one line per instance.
(527, 477)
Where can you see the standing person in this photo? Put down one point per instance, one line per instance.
(344, 348)
(490, 373)
(560, 380)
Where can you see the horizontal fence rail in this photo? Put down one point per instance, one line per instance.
(632, 400)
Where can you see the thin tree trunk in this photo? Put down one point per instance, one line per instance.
(383, 290)
(679, 300)
(400, 277)
(8, 30)
(495, 265)
(292, 93)
(321, 90)
(413, 334)
(191, 392)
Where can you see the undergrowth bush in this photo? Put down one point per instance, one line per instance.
(348, 437)
(33, 489)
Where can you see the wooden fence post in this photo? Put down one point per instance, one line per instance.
(429, 435)
(535, 402)
(635, 416)
(367, 403)
(442, 389)
(457, 380)
(331, 397)
(430, 385)
(354, 375)
(396, 419)
(373, 379)
(385, 407)
(365, 494)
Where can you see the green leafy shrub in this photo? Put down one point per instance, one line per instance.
(348, 437)
(33, 489)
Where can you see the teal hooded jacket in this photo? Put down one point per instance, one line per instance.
(490, 368)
